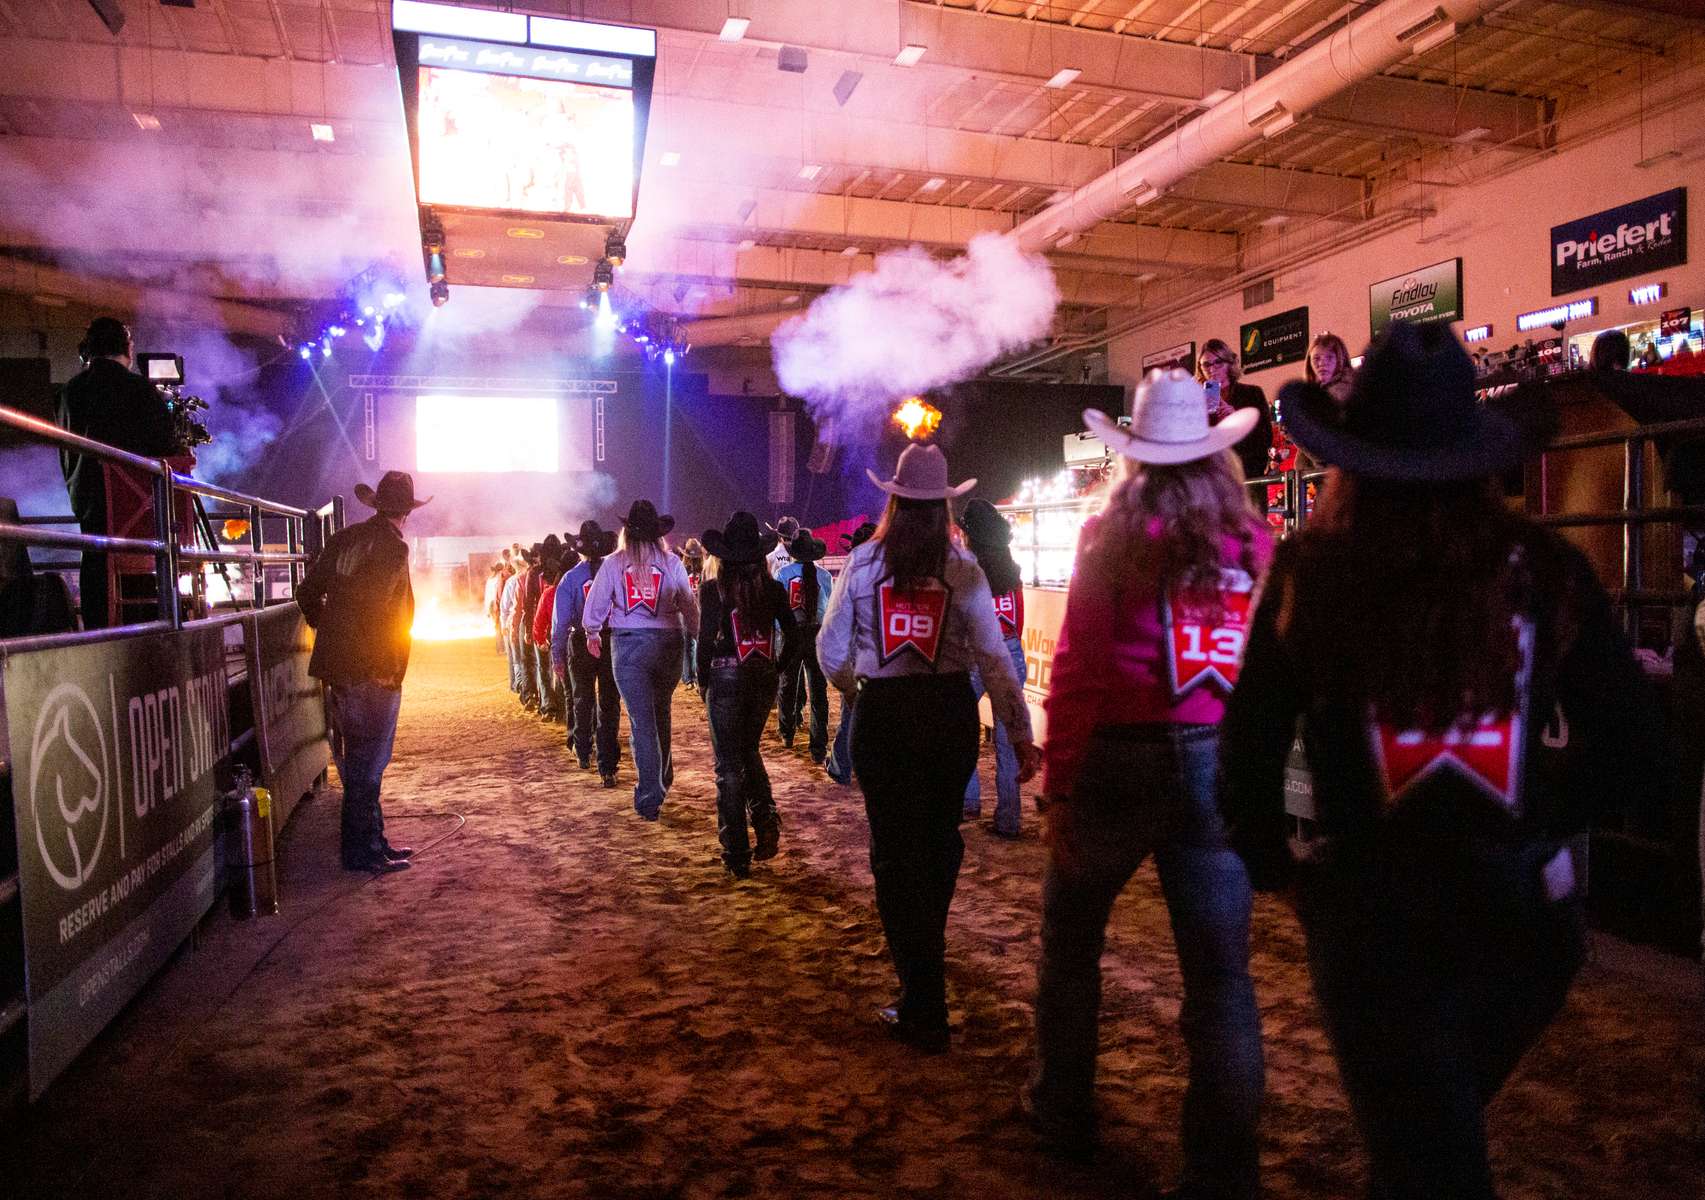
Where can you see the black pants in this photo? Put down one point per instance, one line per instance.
(597, 707)
(807, 676)
(739, 701)
(92, 587)
(914, 746)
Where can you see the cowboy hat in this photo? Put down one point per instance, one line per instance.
(643, 522)
(1410, 416)
(983, 525)
(921, 474)
(805, 548)
(859, 536)
(394, 496)
(593, 541)
(740, 541)
(1169, 422)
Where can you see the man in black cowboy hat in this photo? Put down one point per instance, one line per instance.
(808, 586)
(597, 706)
(110, 403)
(360, 603)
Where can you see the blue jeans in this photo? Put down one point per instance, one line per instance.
(839, 763)
(364, 726)
(647, 665)
(1009, 806)
(689, 660)
(806, 678)
(1150, 789)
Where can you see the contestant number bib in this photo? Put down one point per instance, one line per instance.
(911, 619)
(1006, 609)
(1486, 754)
(751, 643)
(796, 594)
(1203, 647)
(643, 588)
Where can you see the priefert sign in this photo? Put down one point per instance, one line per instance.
(1619, 243)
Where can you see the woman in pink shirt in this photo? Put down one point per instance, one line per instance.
(1159, 606)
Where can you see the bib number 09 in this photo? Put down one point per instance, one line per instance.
(911, 625)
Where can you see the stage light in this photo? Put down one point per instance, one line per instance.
(305, 352)
(337, 331)
(326, 348)
(669, 357)
(603, 275)
(615, 249)
(606, 320)
(440, 293)
(375, 339)
(642, 338)
(368, 311)
(394, 299)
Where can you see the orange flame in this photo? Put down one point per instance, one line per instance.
(917, 417)
(235, 529)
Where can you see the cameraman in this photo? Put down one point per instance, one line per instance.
(110, 403)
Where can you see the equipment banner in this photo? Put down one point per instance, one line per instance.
(116, 749)
(1619, 243)
(1274, 341)
(1424, 296)
(290, 713)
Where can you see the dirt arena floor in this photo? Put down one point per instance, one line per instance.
(562, 1000)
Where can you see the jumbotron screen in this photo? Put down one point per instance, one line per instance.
(530, 145)
(487, 434)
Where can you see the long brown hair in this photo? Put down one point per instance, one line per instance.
(743, 586)
(1167, 525)
(915, 536)
(1403, 597)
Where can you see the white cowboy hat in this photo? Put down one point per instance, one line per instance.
(1169, 422)
(921, 474)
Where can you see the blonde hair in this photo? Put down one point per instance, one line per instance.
(642, 553)
(1219, 349)
(1162, 526)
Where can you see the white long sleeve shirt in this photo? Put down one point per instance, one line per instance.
(652, 595)
(874, 631)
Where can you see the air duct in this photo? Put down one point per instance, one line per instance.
(1390, 33)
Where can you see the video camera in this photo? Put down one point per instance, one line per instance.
(166, 372)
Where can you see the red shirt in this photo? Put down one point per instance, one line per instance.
(542, 615)
(1119, 661)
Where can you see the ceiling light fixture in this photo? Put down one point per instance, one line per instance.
(1063, 77)
(934, 183)
(1429, 33)
(1273, 120)
(669, 158)
(1140, 193)
(734, 29)
(850, 252)
(810, 171)
(323, 133)
(909, 56)
(146, 121)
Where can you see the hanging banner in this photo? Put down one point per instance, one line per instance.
(1675, 320)
(1423, 296)
(117, 750)
(1619, 243)
(290, 713)
(1182, 355)
(1274, 341)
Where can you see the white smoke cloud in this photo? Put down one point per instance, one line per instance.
(912, 324)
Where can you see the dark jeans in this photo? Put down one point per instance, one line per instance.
(647, 664)
(913, 747)
(597, 708)
(1009, 805)
(528, 664)
(1429, 1013)
(551, 699)
(690, 660)
(364, 726)
(739, 700)
(806, 676)
(839, 764)
(1143, 790)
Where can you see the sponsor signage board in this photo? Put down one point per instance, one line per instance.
(1478, 333)
(525, 60)
(1181, 355)
(1675, 320)
(1631, 239)
(1274, 341)
(1423, 296)
(1575, 310)
(117, 748)
(290, 714)
(1648, 293)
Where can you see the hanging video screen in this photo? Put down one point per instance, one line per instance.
(524, 144)
(486, 434)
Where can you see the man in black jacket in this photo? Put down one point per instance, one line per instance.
(109, 403)
(360, 603)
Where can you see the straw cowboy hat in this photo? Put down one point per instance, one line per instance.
(1169, 422)
(394, 496)
(1410, 416)
(921, 474)
(740, 541)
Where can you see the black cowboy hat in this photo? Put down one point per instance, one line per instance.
(859, 536)
(594, 541)
(1411, 415)
(983, 525)
(805, 548)
(394, 496)
(643, 522)
(740, 541)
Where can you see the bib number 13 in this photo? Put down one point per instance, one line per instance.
(1223, 647)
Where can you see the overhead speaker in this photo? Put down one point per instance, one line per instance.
(111, 15)
(791, 58)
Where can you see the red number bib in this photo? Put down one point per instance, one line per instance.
(753, 642)
(911, 620)
(1006, 608)
(796, 593)
(1201, 650)
(642, 593)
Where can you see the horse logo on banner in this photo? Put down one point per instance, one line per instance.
(70, 795)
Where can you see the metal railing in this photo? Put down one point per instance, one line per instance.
(167, 545)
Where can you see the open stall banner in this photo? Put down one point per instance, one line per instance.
(290, 716)
(1274, 341)
(116, 747)
(1429, 294)
(1620, 243)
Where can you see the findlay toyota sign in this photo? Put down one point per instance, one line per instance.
(116, 747)
(1619, 243)
(1429, 294)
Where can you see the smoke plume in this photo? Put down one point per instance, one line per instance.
(910, 325)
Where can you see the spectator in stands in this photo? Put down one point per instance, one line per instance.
(1216, 367)
(1444, 910)
(1610, 351)
(110, 403)
(1329, 365)
(360, 603)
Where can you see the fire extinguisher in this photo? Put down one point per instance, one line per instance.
(254, 884)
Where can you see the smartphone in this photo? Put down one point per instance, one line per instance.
(1212, 387)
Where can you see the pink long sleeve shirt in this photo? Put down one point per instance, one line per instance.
(1126, 659)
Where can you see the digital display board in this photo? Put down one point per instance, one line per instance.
(486, 434)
